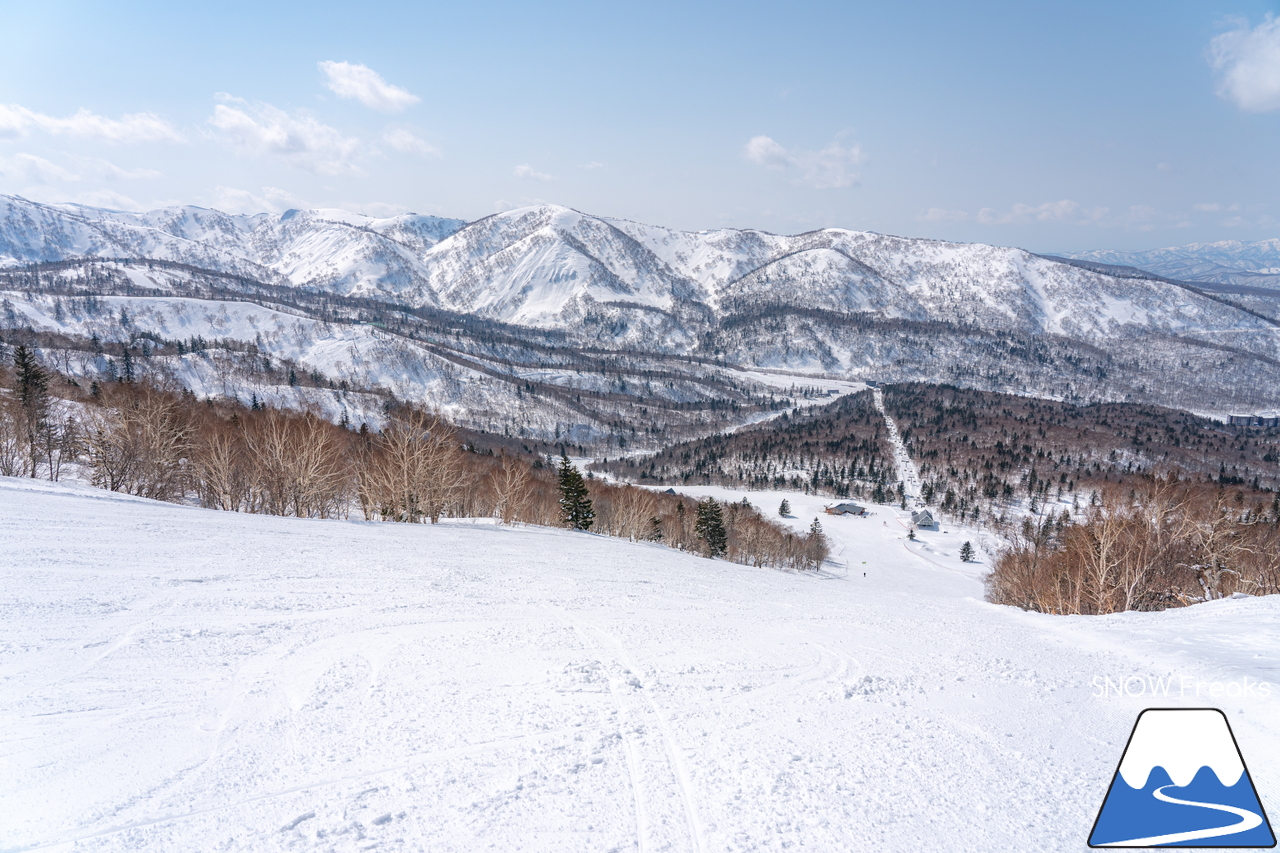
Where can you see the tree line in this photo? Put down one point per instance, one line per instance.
(145, 439)
(1159, 544)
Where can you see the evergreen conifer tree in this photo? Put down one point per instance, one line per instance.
(785, 509)
(575, 504)
(710, 527)
(815, 529)
(31, 388)
(966, 552)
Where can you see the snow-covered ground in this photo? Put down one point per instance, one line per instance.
(181, 679)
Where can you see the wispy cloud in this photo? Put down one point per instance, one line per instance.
(350, 80)
(1137, 217)
(941, 214)
(261, 129)
(763, 151)
(110, 171)
(90, 197)
(408, 143)
(17, 121)
(271, 200)
(1248, 64)
(594, 164)
(30, 167)
(829, 168)
(527, 172)
(1051, 211)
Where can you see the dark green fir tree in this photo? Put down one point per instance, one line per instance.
(575, 503)
(710, 527)
(31, 391)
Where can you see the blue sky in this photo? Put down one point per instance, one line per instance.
(1051, 126)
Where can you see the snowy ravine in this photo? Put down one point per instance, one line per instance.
(174, 678)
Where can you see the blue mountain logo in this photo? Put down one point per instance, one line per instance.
(1182, 783)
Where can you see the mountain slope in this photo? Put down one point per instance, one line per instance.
(332, 250)
(860, 305)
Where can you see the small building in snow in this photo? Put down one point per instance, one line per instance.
(845, 509)
(923, 518)
(1253, 420)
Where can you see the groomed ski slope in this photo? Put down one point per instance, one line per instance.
(181, 679)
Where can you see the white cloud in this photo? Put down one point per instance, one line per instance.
(939, 214)
(109, 199)
(526, 172)
(349, 80)
(1138, 217)
(1052, 211)
(594, 164)
(407, 143)
(92, 198)
(830, 168)
(262, 129)
(16, 121)
(29, 167)
(763, 151)
(376, 209)
(1248, 65)
(272, 200)
(1214, 207)
(109, 170)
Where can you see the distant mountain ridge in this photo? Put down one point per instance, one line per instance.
(853, 304)
(1226, 262)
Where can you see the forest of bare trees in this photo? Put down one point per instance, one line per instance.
(143, 439)
(1163, 543)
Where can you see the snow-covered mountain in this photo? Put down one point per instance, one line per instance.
(857, 305)
(1228, 262)
(553, 267)
(334, 250)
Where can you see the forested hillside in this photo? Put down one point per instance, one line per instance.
(838, 450)
(978, 451)
(138, 437)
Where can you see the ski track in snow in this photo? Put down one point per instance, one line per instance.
(180, 679)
